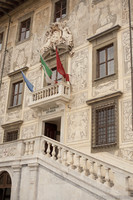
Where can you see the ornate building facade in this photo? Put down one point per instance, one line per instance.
(68, 139)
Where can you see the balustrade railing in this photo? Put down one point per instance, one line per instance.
(88, 166)
(92, 168)
(60, 88)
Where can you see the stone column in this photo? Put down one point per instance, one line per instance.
(15, 190)
(33, 170)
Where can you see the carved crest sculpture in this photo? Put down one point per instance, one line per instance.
(58, 33)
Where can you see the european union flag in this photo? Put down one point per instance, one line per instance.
(29, 85)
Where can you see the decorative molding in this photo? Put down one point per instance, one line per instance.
(58, 33)
(106, 97)
(12, 124)
(18, 71)
(115, 28)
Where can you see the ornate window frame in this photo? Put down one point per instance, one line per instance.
(100, 41)
(99, 103)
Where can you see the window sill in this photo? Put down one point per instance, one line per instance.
(13, 107)
(104, 145)
(105, 77)
(22, 41)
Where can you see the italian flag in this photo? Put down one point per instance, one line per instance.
(47, 71)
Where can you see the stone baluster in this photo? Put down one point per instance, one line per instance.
(26, 148)
(79, 169)
(72, 161)
(44, 93)
(43, 148)
(92, 170)
(99, 174)
(85, 170)
(51, 91)
(48, 149)
(57, 89)
(65, 157)
(107, 179)
(59, 155)
(53, 152)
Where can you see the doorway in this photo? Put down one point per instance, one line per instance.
(52, 129)
(5, 186)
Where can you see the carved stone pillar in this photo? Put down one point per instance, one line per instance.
(15, 191)
(33, 170)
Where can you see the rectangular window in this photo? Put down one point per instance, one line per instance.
(1, 40)
(24, 30)
(105, 65)
(17, 93)
(105, 125)
(12, 135)
(60, 10)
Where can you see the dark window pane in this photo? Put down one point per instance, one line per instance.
(102, 70)
(16, 89)
(105, 125)
(24, 30)
(20, 87)
(111, 67)
(15, 101)
(60, 10)
(63, 13)
(22, 36)
(19, 99)
(102, 56)
(110, 53)
(10, 136)
(105, 62)
(27, 34)
(17, 94)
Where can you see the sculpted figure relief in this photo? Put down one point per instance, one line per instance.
(58, 33)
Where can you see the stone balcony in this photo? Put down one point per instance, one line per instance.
(51, 95)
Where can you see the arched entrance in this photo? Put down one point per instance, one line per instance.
(5, 186)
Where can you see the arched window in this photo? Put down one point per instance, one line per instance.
(5, 186)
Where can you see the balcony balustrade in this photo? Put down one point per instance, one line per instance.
(50, 95)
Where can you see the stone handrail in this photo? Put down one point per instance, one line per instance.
(102, 172)
(113, 177)
(60, 88)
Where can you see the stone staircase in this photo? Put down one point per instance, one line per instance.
(106, 180)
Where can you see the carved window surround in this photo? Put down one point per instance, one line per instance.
(15, 77)
(9, 127)
(103, 103)
(20, 20)
(100, 41)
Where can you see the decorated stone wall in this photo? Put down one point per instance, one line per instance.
(85, 19)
